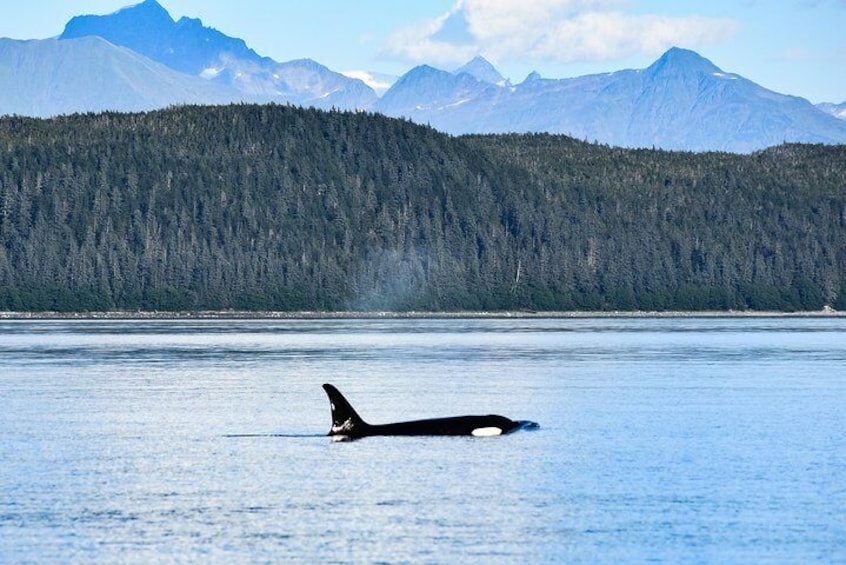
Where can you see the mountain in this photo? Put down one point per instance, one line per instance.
(684, 101)
(148, 29)
(187, 46)
(681, 101)
(454, 103)
(427, 90)
(482, 70)
(140, 58)
(836, 110)
(89, 74)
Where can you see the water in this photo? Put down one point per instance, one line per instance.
(669, 440)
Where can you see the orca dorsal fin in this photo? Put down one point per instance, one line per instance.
(345, 420)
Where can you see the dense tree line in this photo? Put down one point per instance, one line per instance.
(281, 208)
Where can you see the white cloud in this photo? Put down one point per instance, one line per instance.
(378, 82)
(421, 43)
(613, 35)
(549, 30)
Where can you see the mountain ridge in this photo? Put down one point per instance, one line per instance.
(482, 70)
(189, 47)
(90, 75)
(273, 207)
(682, 101)
(148, 29)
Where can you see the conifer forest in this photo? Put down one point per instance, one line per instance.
(270, 207)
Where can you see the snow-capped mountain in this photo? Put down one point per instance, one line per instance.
(189, 47)
(681, 101)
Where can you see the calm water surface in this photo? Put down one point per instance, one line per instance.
(669, 440)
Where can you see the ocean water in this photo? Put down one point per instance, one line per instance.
(661, 440)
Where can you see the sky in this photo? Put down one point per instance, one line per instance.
(791, 46)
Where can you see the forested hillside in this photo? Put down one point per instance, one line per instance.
(280, 208)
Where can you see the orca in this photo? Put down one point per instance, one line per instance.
(348, 425)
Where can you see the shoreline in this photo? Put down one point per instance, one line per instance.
(388, 315)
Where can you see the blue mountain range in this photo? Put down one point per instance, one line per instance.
(189, 47)
(140, 58)
(682, 101)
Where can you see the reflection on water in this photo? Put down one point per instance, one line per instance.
(662, 439)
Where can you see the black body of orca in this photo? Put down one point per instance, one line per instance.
(347, 424)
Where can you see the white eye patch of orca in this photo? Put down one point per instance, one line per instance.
(487, 432)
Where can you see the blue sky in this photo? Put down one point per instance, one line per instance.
(790, 46)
